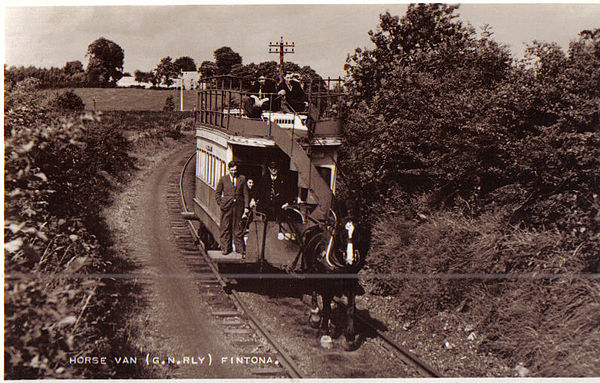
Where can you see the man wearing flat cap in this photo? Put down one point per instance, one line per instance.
(273, 192)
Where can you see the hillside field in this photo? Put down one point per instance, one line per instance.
(132, 98)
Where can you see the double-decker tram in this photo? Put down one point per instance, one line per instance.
(304, 145)
(294, 135)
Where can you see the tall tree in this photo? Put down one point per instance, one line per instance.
(419, 99)
(166, 71)
(185, 64)
(226, 58)
(105, 65)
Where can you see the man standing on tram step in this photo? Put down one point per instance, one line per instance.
(232, 198)
(272, 193)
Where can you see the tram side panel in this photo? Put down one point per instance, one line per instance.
(211, 164)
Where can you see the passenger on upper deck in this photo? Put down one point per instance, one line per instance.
(260, 98)
(295, 98)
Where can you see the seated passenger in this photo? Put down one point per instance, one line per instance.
(259, 99)
(295, 98)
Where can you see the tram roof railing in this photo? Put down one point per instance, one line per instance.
(221, 98)
(233, 82)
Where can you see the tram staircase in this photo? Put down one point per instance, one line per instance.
(319, 192)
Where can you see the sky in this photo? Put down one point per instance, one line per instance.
(323, 35)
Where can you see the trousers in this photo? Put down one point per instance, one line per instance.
(231, 229)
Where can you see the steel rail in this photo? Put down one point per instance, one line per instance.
(285, 359)
(405, 354)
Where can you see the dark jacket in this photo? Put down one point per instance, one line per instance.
(294, 95)
(272, 193)
(226, 194)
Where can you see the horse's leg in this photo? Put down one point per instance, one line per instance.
(326, 313)
(351, 339)
(315, 317)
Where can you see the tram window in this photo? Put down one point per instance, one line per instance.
(326, 174)
(210, 170)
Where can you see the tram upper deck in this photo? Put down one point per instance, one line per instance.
(220, 105)
(309, 140)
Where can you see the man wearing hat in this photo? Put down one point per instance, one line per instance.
(295, 98)
(260, 97)
(272, 192)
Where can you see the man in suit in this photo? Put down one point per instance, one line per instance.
(295, 98)
(232, 198)
(272, 193)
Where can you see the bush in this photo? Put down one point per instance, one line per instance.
(169, 104)
(68, 100)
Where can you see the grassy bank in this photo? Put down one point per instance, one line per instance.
(526, 295)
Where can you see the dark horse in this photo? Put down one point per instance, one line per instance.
(331, 259)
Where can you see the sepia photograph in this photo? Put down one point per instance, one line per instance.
(346, 190)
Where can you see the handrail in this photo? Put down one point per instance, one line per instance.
(217, 106)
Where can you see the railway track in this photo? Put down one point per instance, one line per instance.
(241, 327)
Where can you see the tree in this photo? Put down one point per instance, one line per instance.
(140, 76)
(185, 64)
(226, 58)
(419, 102)
(73, 67)
(166, 71)
(169, 104)
(105, 65)
(269, 69)
(208, 69)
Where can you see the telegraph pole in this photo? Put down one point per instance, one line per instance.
(283, 49)
(181, 94)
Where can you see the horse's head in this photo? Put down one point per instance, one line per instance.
(352, 256)
(337, 251)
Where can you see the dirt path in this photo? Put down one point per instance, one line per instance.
(173, 321)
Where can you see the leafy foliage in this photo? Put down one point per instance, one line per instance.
(185, 63)
(70, 76)
(225, 59)
(105, 65)
(464, 161)
(169, 104)
(166, 71)
(59, 170)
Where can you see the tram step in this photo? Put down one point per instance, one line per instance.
(218, 256)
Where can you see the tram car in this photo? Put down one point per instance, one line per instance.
(304, 145)
(305, 235)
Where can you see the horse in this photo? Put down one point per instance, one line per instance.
(331, 259)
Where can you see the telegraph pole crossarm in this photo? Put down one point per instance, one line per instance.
(282, 48)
